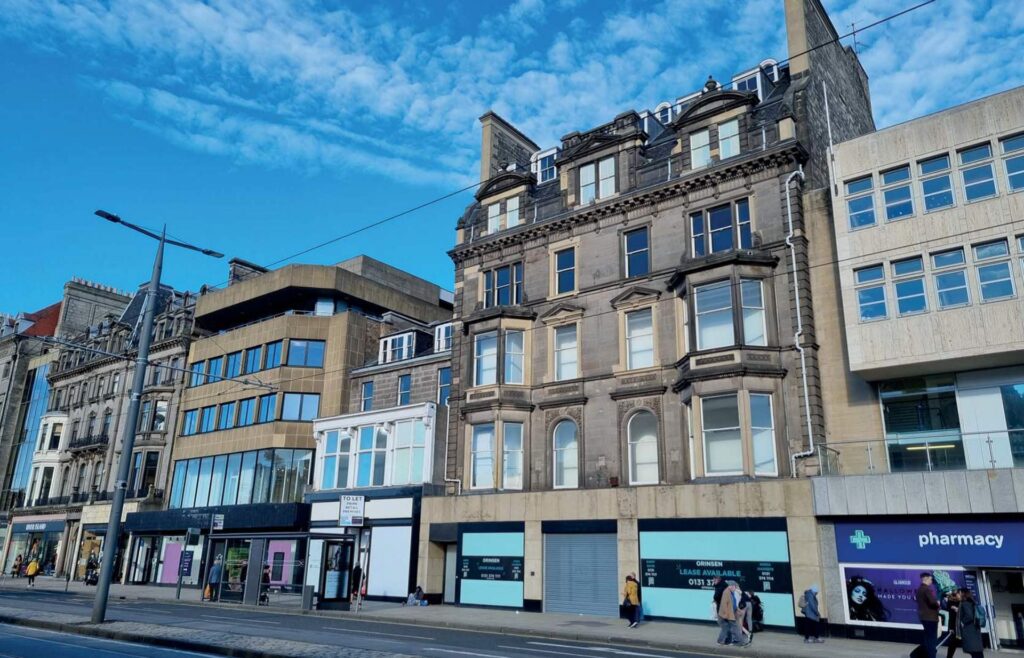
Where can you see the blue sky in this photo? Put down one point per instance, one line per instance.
(262, 128)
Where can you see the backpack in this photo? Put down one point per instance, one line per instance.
(980, 615)
(802, 603)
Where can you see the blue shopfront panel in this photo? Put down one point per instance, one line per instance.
(679, 559)
(995, 543)
(491, 565)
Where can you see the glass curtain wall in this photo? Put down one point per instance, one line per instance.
(922, 424)
(257, 476)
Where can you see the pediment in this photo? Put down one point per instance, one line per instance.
(590, 143)
(505, 181)
(635, 296)
(716, 101)
(561, 313)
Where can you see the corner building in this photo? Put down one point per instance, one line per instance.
(635, 368)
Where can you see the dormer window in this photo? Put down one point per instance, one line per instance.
(443, 337)
(502, 215)
(396, 348)
(547, 170)
(664, 114)
(597, 180)
(729, 139)
(700, 149)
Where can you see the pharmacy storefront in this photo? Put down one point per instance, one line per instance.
(880, 562)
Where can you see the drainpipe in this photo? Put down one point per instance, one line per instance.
(798, 336)
(447, 430)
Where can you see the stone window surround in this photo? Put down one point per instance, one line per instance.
(733, 273)
(500, 325)
(489, 417)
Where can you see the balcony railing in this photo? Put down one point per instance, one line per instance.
(944, 450)
(84, 442)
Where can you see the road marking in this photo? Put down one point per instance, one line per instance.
(557, 653)
(352, 630)
(611, 650)
(465, 653)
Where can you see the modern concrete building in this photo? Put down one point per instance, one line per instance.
(925, 376)
(379, 458)
(78, 441)
(635, 366)
(272, 351)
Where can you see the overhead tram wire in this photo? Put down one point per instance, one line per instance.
(711, 286)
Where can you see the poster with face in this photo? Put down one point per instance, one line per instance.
(886, 596)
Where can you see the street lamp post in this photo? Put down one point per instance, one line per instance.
(99, 607)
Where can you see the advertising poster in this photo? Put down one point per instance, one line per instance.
(878, 595)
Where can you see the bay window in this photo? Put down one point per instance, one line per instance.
(503, 286)
(371, 457)
(514, 357)
(762, 429)
(720, 229)
(752, 301)
(407, 457)
(723, 445)
(713, 310)
(482, 457)
(566, 457)
(485, 359)
(512, 456)
(642, 431)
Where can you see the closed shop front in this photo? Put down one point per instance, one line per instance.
(581, 567)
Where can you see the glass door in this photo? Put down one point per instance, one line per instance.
(335, 584)
(236, 570)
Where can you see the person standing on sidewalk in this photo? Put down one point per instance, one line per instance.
(31, 571)
(969, 624)
(812, 615)
(631, 600)
(639, 598)
(928, 613)
(215, 574)
(16, 567)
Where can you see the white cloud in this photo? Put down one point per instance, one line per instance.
(287, 83)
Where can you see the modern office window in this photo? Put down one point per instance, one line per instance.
(371, 458)
(246, 412)
(908, 281)
(722, 228)
(566, 461)
(309, 353)
(274, 476)
(485, 359)
(896, 194)
(642, 431)
(762, 430)
(366, 397)
(494, 218)
(233, 365)
(597, 180)
(208, 419)
(700, 149)
(566, 353)
(407, 456)
(936, 184)
(515, 356)
(752, 301)
(503, 285)
(268, 408)
(860, 202)
(273, 355)
(994, 274)
(512, 456)
(512, 212)
(639, 339)
(197, 374)
(253, 359)
(1013, 161)
(713, 311)
(482, 457)
(723, 445)
(215, 369)
(870, 282)
(636, 246)
(300, 406)
(978, 172)
(547, 168)
(396, 348)
(950, 278)
(728, 139)
(232, 477)
(189, 423)
(565, 271)
(404, 389)
(444, 385)
(226, 419)
(443, 337)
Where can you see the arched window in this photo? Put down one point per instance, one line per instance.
(567, 468)
(643, 448)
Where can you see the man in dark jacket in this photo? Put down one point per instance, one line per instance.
(928, 613)
(720, 586)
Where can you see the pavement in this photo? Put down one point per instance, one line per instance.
(151, 615)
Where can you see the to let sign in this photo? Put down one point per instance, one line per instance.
(351, 513)
(218, 522)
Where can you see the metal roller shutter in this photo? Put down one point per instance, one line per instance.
(581, 574)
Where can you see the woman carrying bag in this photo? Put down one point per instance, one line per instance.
(630, 600)
(970, 620)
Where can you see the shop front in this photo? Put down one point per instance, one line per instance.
(43, 538)
(363, 543)
(880, 562)
(261, 549)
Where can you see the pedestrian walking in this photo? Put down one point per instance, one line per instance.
(951, 604)
(639, 598)
(729, 617)
(16, 567)
(812, 616)
(31, 571)
(970, 622)
(928, 614)
(630, 600)
(747, 615)
(213, 583)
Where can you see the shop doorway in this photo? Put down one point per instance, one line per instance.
(145, 561)
(451, 557)
(234, 556)
(1004, 590)
(336, 575)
